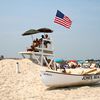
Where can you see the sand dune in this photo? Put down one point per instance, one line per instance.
(27, 84)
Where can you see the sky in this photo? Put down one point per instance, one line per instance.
(81, 41)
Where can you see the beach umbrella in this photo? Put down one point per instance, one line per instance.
(30, 32)
(75, 61)
(58, 60)
(34, 31)
(45, 30)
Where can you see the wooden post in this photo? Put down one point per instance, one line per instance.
(17, 68)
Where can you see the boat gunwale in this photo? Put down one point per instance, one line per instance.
(73, 74)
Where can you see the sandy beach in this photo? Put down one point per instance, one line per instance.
(27, 85)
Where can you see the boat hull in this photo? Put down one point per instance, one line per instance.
(55, 79)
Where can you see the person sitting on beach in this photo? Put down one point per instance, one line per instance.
(34, 44)
(37, 42)
(93, 66)
(46, 36)
(42, 37)
(29, 49)
(40, 40)
(46, 42)
(32, 47)
(72, 64)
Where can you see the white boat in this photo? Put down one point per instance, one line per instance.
(53, 77)
(56, 79)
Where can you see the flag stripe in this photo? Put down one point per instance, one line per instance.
(64, 21)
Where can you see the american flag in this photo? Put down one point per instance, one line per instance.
(62, 19)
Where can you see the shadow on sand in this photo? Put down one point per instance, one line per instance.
(74, 87)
